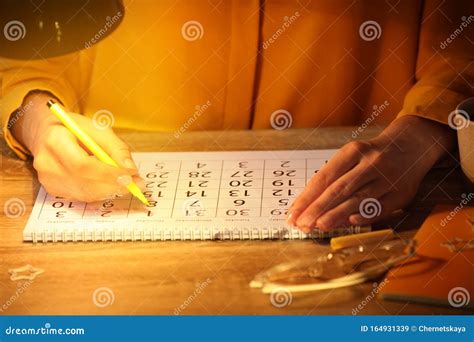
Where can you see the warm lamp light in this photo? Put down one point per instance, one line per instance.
(42, 29)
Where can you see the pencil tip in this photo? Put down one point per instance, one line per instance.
(143, 199)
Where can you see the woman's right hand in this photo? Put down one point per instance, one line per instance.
(65, 167)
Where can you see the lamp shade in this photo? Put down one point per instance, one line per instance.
(36, 29)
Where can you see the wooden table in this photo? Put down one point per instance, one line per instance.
(159, 277)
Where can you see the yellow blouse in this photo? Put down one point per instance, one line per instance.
(249, 64)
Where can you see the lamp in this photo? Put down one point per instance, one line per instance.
(36, 29)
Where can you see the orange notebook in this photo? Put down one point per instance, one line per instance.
(442, 272)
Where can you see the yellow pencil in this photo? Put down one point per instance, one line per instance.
(86, 139)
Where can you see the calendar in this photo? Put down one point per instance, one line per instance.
(192, 196)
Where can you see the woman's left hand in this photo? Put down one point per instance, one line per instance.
(368, 180)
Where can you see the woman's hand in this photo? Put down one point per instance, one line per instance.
(65, 167)
(368, 180)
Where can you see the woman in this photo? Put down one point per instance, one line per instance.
(321, 62)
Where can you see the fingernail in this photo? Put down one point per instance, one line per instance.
(323, 224)
(124, 180)
(291, 218)
(306, 221)
(129, 164)
(353, 219)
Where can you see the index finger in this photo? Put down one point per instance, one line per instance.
(77, 162)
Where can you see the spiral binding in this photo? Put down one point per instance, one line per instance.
(126, 234)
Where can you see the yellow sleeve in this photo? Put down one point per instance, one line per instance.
(60, 76)
(445, 68)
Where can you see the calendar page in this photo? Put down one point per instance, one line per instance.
(192, 195)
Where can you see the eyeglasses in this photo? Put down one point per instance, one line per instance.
(341, 268)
